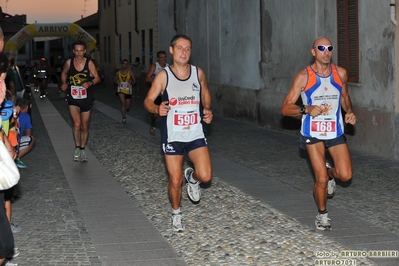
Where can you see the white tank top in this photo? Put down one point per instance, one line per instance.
(183, 122)
(158, 68)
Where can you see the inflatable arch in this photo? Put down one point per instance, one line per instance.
(48, 30)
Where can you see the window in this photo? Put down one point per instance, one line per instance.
(98, 43)
(109, 49)
(130, 47)
(135, 17)
(151, 47)
(105, 49)
(120, 48)
(143, 46)
(348, 38)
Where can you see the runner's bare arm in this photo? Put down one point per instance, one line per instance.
(157, 88)
(64, 73)
(346, 102)
(290, 108)
(149, 78)
(116, 78)
(206, 98)
(93, 70)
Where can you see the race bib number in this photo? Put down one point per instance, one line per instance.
(124, 87)
(323, 129)
(78, 92)
(185, 120)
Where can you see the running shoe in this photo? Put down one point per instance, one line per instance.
(331, 185)
(176, 222)
(123, 120)
(193, 189)
(8, 263)
(83, 156)
(76, 155)
(322, 222)
(15, 228)
(19, 163)
(15, 253)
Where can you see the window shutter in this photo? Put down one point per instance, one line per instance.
(348, 37)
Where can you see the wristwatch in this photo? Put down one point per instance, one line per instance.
(302, 109)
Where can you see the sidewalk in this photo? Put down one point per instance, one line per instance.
(78, 213)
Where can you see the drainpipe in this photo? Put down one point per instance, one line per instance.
(393, 12)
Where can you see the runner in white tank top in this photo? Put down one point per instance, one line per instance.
(152, 72)
(183, 122)
(186, 104)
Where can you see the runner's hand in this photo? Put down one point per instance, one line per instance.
(208, 115)
(64, 87)
(350, 118)
(163, 108)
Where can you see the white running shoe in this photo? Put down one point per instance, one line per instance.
(9, 263)
(16, 253)
(76, 155)
(177, 222)
(322, 222)
(83, 156)
(193, 189)
(331, 185)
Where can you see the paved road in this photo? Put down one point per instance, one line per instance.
(63, 218)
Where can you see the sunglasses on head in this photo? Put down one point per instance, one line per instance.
(322, 48)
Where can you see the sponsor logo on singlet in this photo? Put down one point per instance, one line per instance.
(187, 100)
(196, 87)
(173, 101)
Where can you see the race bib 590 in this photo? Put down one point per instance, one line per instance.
(185, 120)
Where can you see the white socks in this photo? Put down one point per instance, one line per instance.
(176, 211)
